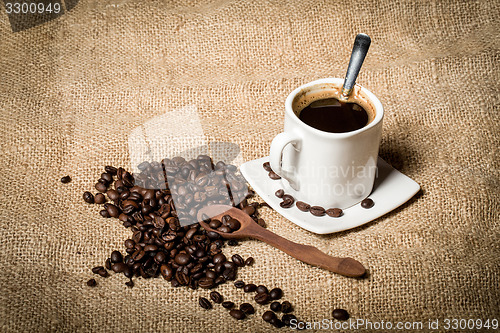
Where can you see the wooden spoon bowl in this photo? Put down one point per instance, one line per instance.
(305, 253)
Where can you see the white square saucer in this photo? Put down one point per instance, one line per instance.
(390, 190)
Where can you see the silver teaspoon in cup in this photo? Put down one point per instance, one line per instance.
(359, 51)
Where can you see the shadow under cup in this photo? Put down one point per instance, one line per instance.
(329, 169)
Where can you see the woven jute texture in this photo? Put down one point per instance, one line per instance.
(74, 89)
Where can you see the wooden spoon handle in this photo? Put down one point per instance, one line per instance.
(309, 254)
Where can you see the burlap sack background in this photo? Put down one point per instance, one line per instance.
(72, 89)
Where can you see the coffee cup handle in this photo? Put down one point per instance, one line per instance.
(277, 145)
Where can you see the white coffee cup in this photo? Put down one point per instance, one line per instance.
(332, 170)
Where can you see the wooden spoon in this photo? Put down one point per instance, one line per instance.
(306, 253)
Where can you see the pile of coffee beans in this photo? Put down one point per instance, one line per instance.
(148, 203)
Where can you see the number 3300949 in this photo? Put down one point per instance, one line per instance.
(31, 8)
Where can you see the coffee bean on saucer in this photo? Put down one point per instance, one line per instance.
(237, 314)
(268, 315)
(279, 193)
(204, 303)
(65, 179)
(247, 308)
(367, 203)
(287, 202)
(302, 206)
(334, 212)
(273, 175)
(216, 297)
(286, 307)
(92, 283)
(267, 166)
(317, 210)
(228, 304)
(276, 293)
(276, 306)
(340, 314)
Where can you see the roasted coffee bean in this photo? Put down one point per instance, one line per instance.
(233, 224)
(334, 212)
(287, 318)
(262, 289)
(276, 306)
(138, 255)
(219, 258)
(228, 304)
(110, 169)
(249, 261)
(262, 223)
(104, 213)
(367, 203)
(160, 257)
(249, 287)
(317, 210)
(238, 260)
(113, 195)
(116, 257)
(229, 274)
(107, 263)
(182, 259)
(286, 307)
(273, 175)
(239, 284)
(96, 269)
(224, 229)
(101, 187)
(262, 298)
(247, 308)
(99, 198)
(280, 193)
(276, 322)
(107, 177)
(119, 267)
(238, 314)
(182, 278)
(206, 283)
(113, 210)
(268, 315)
(167, 272)
(88, 197)
(204, 303)
(267, 166)
(302, 206)
(92, 283)
(340, 314)
(103, 272)
(276, 293)
(216, 297)
(214, 224)
(213, 235)
(287, 202)
(65, 179)
(232, 242)
(249, 210)
(129, 283)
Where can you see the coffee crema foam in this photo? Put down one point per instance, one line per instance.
(329, 90)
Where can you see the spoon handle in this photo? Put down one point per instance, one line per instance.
(309, 254)
(359, 51)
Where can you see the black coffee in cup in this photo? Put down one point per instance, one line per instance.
(331, 115)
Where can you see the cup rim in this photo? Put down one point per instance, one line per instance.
(379, 109)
